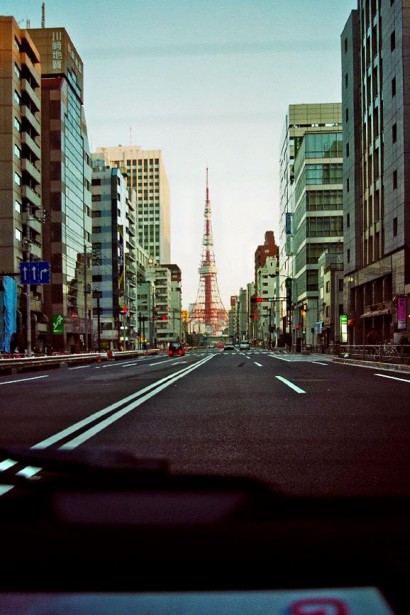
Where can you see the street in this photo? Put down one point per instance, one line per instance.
(304, 424)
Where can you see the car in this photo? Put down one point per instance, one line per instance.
(229, 346)
(175, 348)
(244, 345)
(220, 345)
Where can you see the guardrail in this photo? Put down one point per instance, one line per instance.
(18, 363)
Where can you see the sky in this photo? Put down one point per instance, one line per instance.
(208, 82)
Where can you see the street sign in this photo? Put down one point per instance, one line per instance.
(35, 272)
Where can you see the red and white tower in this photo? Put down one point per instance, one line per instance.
(208, 314)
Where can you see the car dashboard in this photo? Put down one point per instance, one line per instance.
(86, 539)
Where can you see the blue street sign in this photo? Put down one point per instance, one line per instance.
(35, 272)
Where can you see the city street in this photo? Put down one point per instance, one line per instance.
(304, 424)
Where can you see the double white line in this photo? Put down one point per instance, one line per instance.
(126, 405)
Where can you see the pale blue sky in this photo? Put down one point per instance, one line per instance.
(208, 82)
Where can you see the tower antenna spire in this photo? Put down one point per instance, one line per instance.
(43, 15)
(208, 314)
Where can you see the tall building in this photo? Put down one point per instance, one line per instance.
(21, 206)
(310, 201)
(263, 303)
(375, 52)
(147, 176)
(115, 270)
(66, 190)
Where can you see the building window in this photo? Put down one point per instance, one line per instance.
(348, 255)
(17, 206)
(345, 45)
(394, 180)
(341, 284)
(18, 234)
(17, 71)
(393, 41)
(346, 80)
(347, 150)
(17, 151)
(394, 133)
(17, 124)
(348, 220)
(347, 114)
(17, 97)
(394, 227)
(17, 179)
(393, 86)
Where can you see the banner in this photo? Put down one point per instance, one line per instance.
(8, 325)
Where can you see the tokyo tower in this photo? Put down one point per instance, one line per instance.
(208, 313)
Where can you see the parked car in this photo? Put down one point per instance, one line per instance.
(175, 348)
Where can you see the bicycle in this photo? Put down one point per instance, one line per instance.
(384, 352)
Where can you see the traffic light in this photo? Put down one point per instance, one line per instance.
(123, 309)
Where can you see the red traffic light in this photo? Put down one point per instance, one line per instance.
(124, 309)
(259, 299)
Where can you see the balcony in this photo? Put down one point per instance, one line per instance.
(31, 169)
(30, 94)
(28, 117)
(32, 145)
(31, 195)
(32, 222)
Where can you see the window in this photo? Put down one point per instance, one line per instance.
(347, 150)
(17, 179)
(341, 284)
(394, 180)
(18, 234)
(394, 227)
(17, 97)
(17, 151)
(393, 86)
(17, 206)
(347, 114)
(348, 255)
(17, 124)
(348, 220)
(393, 41)
(346, 80)
(394, 133)
(17, 71)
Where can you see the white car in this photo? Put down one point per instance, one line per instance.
(244, 346)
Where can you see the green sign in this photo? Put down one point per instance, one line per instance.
(343, 328)
(58, 324)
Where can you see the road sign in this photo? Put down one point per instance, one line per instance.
(35, 272)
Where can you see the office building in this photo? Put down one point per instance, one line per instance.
(375, 53)
(66, 191)
(310, 212)
(115, 267)
(21, 205)
(147, 176)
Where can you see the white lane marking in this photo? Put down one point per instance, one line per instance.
(29, 471)
(114, 417)
(290, 384)
(79, 367)
(318, 363)
(274, 356)
(77, 426)
(23, 380)
(393, 378)
(258, 364)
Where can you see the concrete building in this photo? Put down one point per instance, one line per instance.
(147, 176)
(317, 228)
(21, 205)
(115, 267)
(306, 200)
(375, 53)
(66, 191)
(263, 303)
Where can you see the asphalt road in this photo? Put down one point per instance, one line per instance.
(304, 424)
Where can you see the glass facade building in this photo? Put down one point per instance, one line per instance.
(66, 167)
